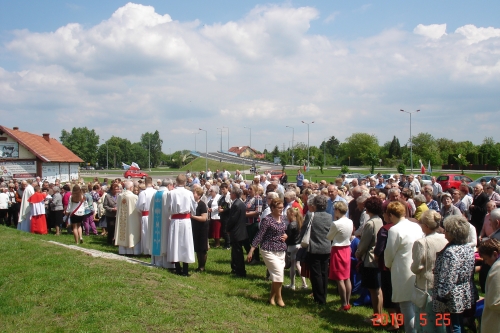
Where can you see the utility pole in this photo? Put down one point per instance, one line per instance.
(411, 139)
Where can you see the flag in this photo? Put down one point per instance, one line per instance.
(135, 166)
(125, 166)
(422, 168)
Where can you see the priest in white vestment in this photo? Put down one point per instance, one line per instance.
(24, 222)
(128, 222)
(143, 202)
(159, 225)
(179, 206)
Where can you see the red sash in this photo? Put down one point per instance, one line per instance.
(180, 216)
(145, 213)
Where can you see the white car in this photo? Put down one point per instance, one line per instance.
(426, 179)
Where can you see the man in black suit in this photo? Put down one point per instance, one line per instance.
(236, 228)
(478, 208)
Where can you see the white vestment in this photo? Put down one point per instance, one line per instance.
(128, 224)
(142, 205)
(180, 237)
(159, 227)
(24, 222)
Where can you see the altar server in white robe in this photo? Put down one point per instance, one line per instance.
(128, 222)
(179, 206)
(143, 202)
(159, 225)
(24, 222)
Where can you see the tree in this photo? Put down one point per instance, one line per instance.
(462, 161)
(154, 142)
(276, 151)
(446, 148)
(426, 149)
(370, 159)
(359, 145)
(395, 148)
(81, 141)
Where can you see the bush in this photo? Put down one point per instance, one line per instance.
(344, 169)
(402, 168)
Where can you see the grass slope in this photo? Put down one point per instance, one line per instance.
(47, 288)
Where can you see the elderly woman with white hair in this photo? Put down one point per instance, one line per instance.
(420, 204)
(213, 197)
(423, 260)
(291, 202)
(452, 293)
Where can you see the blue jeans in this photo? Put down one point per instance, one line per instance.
(457, 323)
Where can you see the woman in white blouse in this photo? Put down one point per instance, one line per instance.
(340, 258)
(213, 214)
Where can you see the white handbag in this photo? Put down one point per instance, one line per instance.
(307, 235)
(420, 297)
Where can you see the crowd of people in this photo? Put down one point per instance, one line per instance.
(411, 249)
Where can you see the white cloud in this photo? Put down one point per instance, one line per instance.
(331, 17)
(433, 31)
(477, 34)
(140, 71)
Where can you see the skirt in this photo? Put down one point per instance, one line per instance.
(200, 236)
(103, 222)
(215, 227)
(39, 224)
(340, 263)
(275, 264)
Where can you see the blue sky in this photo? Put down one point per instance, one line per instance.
(349, 66)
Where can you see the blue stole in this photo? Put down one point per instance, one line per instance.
(157, 223)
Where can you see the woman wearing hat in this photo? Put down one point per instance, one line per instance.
(423, 261)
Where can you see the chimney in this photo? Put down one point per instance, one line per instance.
(46, 136)
(15, 128)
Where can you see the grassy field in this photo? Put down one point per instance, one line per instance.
(47, 288)
(199, 164)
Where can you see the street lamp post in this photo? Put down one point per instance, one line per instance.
(107, 154)
(411, 139)
(221, 129)
(293, 134)
(206, 149)
(149, 157)
(227, 137)
(312, 122)
(250, 135)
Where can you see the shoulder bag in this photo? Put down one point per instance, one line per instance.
(307, 235)
(67, 218)
(420, 297)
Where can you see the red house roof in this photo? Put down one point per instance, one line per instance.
(44, 147)
(239, 150)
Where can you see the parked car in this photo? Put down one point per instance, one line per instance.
(129, 174)
(452, 180)
(478, 180)
(386, 176)
(276, 174)
(349, 177)
(426, 179)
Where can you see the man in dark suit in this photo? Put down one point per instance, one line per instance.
(236, 228)
(478, 208)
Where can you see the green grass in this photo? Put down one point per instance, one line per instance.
(47, 288)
